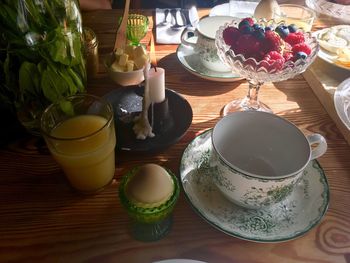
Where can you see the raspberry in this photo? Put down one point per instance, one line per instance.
(295, 38)
(288, 56)
(301, 47)
(274, 55)
(274, 60)
(273, 42)
(249, 20)
(287, 52)
(258, 55)
(247, 45)
(230, 35)
(287, 47)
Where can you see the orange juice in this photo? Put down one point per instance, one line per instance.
(85, 150)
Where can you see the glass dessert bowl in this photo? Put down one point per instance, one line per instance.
(259, 68)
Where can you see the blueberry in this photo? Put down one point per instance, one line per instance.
(268, 28)
(246, 29)
(292, 28)
(278, 28)
(259, 33)
(282, 30)
(301, 55)
(256, 26)
(243, 23)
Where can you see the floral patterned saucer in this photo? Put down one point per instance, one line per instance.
(190, 61)
(289, 219)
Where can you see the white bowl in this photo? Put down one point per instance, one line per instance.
(123, 78)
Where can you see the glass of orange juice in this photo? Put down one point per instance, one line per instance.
(79, 132)
(301, 16)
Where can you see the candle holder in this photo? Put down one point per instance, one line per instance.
(160, 117)
(127, 104)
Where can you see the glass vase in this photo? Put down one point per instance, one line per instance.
(41, 55)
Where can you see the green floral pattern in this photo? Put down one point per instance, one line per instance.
(190, 60)
(271, 196)
(294, 216)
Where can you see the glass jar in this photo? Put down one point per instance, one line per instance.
(41, 56)
(91, 46)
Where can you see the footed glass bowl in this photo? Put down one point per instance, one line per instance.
(256, 72)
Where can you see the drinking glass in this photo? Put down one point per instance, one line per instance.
(259, 72)
(79, 132)
(301, 16)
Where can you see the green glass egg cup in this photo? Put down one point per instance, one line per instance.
(136, 29)
(149, 223)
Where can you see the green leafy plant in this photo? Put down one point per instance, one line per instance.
(41, 53)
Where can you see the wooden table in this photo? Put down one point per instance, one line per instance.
(43, 220)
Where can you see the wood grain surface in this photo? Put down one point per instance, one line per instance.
(43, 220)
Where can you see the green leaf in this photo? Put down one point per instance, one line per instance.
(10, 78)
(67, 107)
(48, 85)
(27, 73)
(42, 66)
(65, 47)
(77, 80)
(64, 73)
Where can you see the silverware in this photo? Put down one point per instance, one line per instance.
(165, 22)
(174, 13)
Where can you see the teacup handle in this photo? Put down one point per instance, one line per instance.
(184, 37)
(321, 148)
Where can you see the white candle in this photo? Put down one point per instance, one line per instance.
(156, 80)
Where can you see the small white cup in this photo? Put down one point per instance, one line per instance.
(259, 157)
(205, 45)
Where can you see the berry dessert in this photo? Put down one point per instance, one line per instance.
(272, 47)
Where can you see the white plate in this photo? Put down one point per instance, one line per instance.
(240, 9)
(295, 216)
(342, 102)
(326, 7)
(190, 61)
(328, 56)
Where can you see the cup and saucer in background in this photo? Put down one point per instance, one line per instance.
(198, 54)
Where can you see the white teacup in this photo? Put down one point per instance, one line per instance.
(259, 157)
(205, 45)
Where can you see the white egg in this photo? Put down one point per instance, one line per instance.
(151, 184)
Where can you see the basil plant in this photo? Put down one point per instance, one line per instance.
(41, 55)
